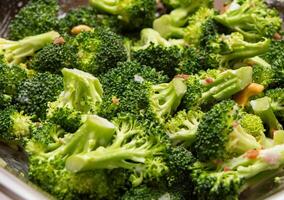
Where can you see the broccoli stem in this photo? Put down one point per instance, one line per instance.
(106, 5)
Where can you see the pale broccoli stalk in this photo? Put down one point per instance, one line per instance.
(166, 97)
(263, 109)
(95, 132)
(129, 149)
(236, 48)
(278, 137)
(250, 164)
(182, 128)
(15, 52)
(82, 92)
(227, 84)
(253, 19)
(171, 25)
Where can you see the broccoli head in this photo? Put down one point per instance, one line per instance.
(135, 14)
(277, 102)
(14, 125)
(183, 126)
(34, 93)
(99, 50)
(253, 19)
(220, 136)
(154, 51)
(28, 22)
(209, 88)
(16, 52)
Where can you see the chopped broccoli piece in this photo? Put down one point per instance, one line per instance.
(183, 126)
(14, 126)
(28, 22)
(172, 25)
(277, 102)
(99, 50)
(154, 51)
(253, 19)
(134, 13)
(16, 52)
(125, 89)
(220, 136)
(34, 94)
(132, 148)
(205, 91)
(55, 57)
(262, 108)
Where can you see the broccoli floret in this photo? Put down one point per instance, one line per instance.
(172, 25)
(135, 14)
(254, 19)
(183, 126)
(194, 31)
(144, 192)
(253, 125)
(202, 91)
(220, 136)
(99, 50)
(16, 52)
(34, 94)
(14, 125)
(275, 57)
(55, 57)
(5, 100)
(262, 107)
(10, 78)
(132, 148)
(88, 16)
(28, 22)
(125, 91)
(154, 51)
(82, 95)
(277, 102)
(50, 147)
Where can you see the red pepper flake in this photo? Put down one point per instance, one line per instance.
(252, 154)
(226, 169)
(209, 80)
(115, 100)
(183, 76)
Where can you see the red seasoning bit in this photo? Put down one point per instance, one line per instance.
(59, 40)
(226, 169)
(209, 80)
(277, 36)
(252, 154)
(115, 100)
(183, 76)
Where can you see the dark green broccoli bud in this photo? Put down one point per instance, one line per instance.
(182, 128)
(125, 91)
(277, 102)
(275, 57)
(220, 136)
(99, 50)
(10, 78)
(16, 52)
(14, 126)
(171, 25)
(28, 22)
(253, 125)
(86, 15)
(154, 51)
(5, 101)
(55, 57)
(254, 19)
(132, 148)
(202, 91)
(194, 31)
(144, 192)
(34, 94)
(135, 14)
(262, 108)
(211, 185)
